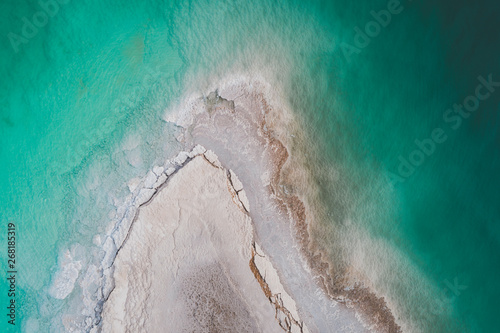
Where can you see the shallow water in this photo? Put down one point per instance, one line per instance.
(83, 104)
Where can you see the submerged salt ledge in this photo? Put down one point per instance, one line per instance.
(238, 130)
(66, 277)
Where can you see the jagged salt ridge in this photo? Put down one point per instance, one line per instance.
(119, 229)
(233, 235)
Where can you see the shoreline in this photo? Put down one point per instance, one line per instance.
(257, 126)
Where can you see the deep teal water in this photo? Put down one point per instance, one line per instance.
(82, 105)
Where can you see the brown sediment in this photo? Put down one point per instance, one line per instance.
(234, 194)
(373, 308)
(258, 276)
(333, 278)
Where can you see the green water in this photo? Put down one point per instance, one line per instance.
(82, 113)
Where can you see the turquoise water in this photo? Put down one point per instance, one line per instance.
(83, 101)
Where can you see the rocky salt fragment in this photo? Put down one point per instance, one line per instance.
(212, 158)
(286, 310)
(244, 200)
(237, 185)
